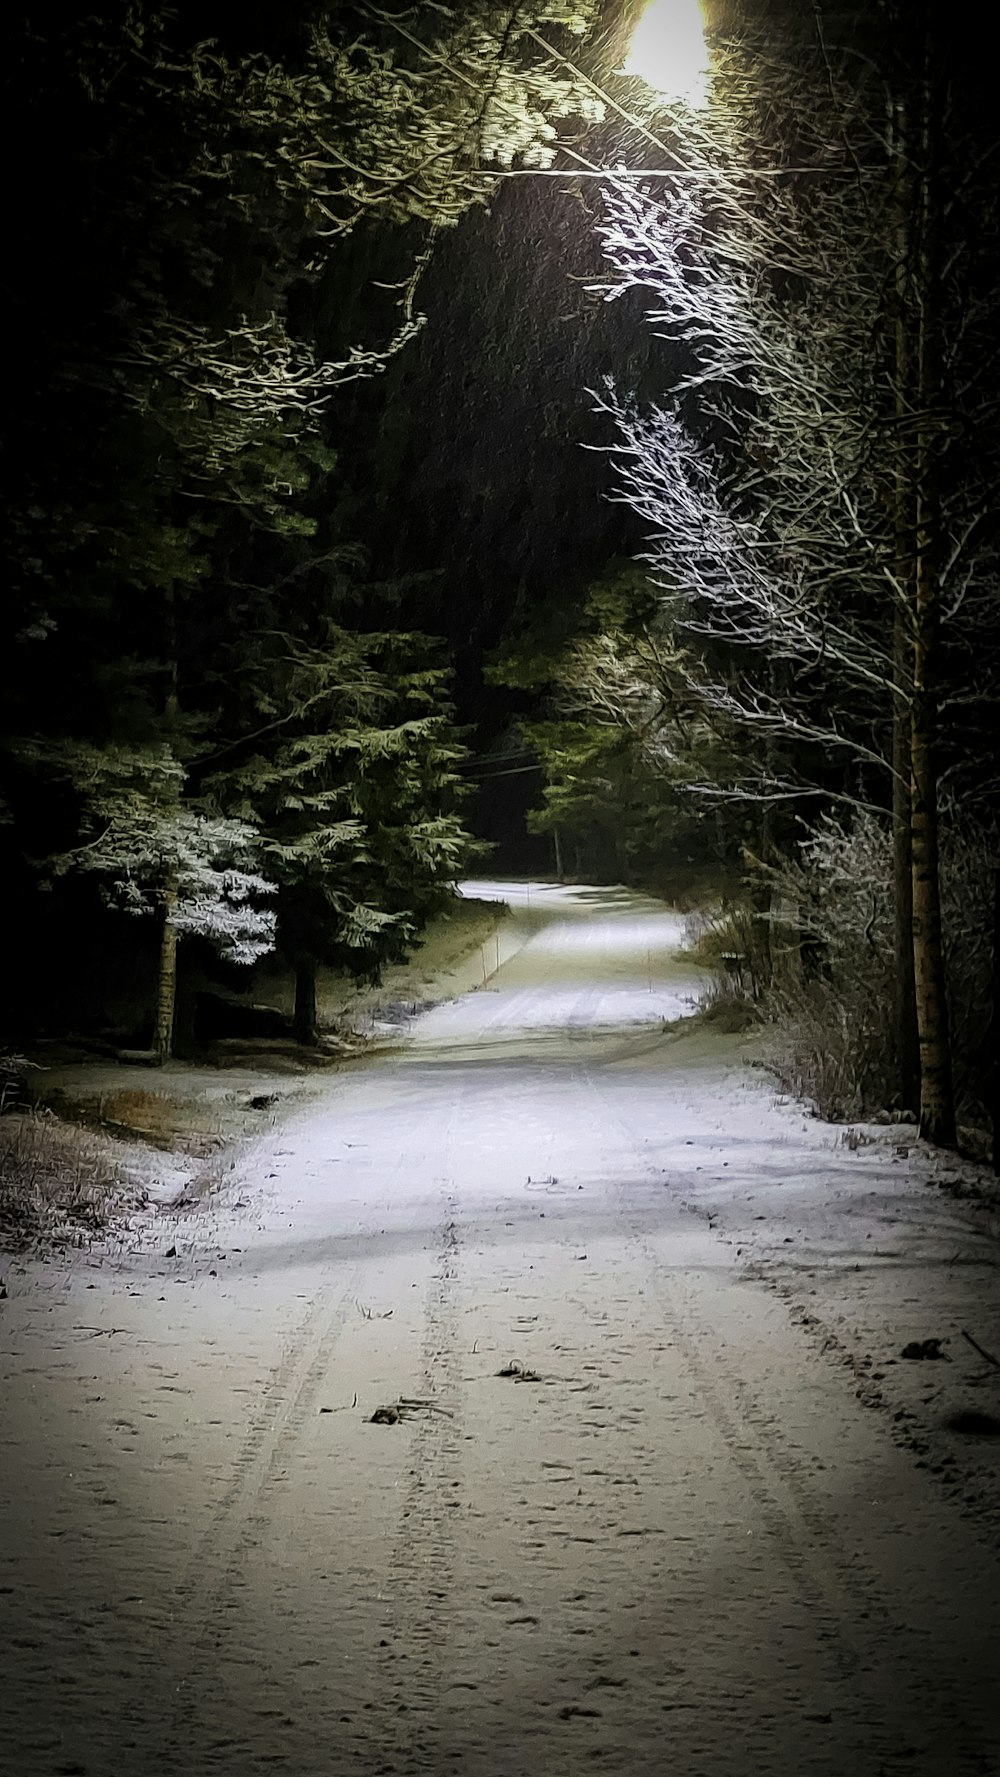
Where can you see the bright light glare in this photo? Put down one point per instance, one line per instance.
(668, 51)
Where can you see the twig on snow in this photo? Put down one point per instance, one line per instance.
(988, 1355)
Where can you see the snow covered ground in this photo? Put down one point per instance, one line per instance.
(653, 1487)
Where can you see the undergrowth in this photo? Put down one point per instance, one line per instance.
(727, 941)
(56, 1185)
(816, 970)
(832, 1045)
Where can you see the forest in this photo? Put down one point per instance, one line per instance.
(424, 438)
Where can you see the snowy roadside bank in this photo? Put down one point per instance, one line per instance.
(885, 1251)
(106, 1139)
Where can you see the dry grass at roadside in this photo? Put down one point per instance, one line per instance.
(58, 1184)
(88, 1143)
(725, 939)
(172, 1121)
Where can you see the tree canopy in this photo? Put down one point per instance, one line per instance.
(214, 713)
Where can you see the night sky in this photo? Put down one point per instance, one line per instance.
(467, 455)
(465, 463)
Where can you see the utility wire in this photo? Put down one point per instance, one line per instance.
(589, 169)
(486, 777)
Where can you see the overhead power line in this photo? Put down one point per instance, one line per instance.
(584, 168)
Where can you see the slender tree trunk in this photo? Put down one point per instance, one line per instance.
(166, 977)
(776, 844)
(937, 1107)
(993, 1075)
(557, 849)
(993, 1036)
(304, 1025)
(904, 980)
(185, 1011)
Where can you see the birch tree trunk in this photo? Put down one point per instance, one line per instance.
(904, 982)
(937, 1107)
(904, 979)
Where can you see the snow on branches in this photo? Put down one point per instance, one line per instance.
(761, 481)
(135, 833)
(438, 93)
(776, 477)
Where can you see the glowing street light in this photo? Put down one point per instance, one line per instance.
(669, 53)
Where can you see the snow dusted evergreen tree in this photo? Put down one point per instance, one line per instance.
(152, 855)
(173, 452)
(347, 764)
(622, 735)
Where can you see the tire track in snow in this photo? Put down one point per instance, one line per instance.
(241, 1522)
(286, 1398)
(419, 1619)
(204, 1610)
(804, 1536)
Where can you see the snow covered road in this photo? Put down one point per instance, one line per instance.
(635, 1513)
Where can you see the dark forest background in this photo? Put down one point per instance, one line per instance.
(325, 584)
